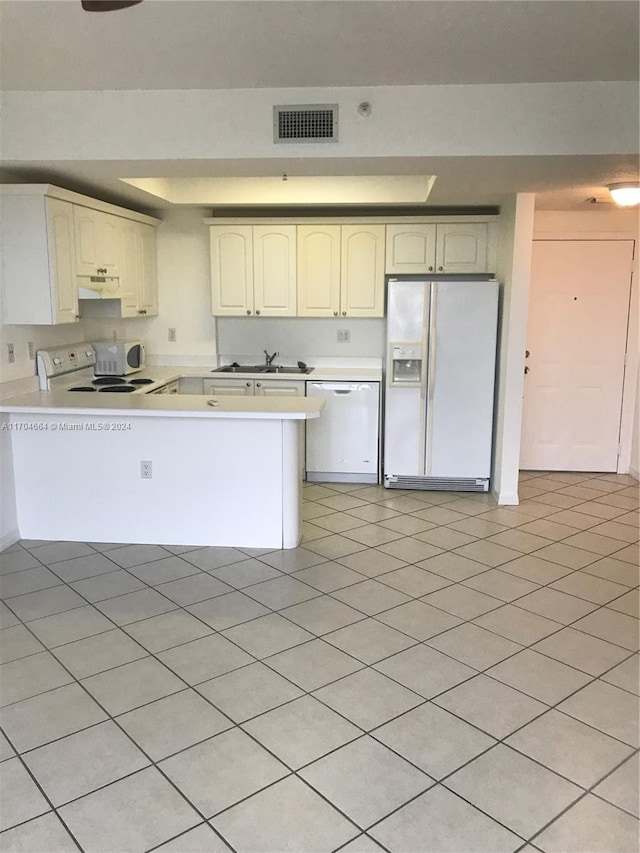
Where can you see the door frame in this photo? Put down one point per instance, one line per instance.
(632, 363)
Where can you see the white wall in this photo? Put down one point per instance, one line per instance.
(299, 339)
(406, 121)
(513, 270)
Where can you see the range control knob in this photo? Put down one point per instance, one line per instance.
(57, 360)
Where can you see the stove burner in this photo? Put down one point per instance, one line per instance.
(141, 381)
(109, 380)
(82, 388)
(122, 389)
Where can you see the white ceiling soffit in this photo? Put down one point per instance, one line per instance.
(234, 44)
(288, 189)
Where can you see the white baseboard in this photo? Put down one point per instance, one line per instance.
(9, 538)
(634, 473)
(503, 499)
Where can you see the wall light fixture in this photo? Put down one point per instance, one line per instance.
(625, 193)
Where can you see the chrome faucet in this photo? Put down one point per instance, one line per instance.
(269, 358)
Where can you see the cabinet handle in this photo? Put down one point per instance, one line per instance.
(344, 313)
(440, 268)
(77, 316)
(430, 269)
(248, 312)
(248, 384)
(258, 384)
(257, 312)
(335, 313)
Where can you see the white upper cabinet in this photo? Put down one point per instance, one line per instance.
(62, 264)
(39, 283)
(53, 242)
(450, 248)
(231, 269)
(318, 270)
(129, 267)
(462, 248)
(148, 281)
(97, 242)
(274, 270)
(253, 270)
(411, 248)
(341, 270)
(362, 271)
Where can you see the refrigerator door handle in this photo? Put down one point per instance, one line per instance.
(431, 376)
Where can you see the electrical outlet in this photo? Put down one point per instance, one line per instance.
(31, 350)
(146, 469)
(11, 356)
(344, 336)
(172, 334)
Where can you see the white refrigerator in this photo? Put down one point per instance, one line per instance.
(440, 379)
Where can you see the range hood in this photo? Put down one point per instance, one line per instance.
(99, 287)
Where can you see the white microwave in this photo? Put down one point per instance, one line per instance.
(118, 358)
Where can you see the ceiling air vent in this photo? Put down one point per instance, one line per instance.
(306, 123)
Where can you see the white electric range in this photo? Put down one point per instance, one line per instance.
(71, 368)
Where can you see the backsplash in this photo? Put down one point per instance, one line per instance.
(41, 337)
(299, 339)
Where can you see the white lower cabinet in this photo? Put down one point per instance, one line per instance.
(236, 387)
(254, 387)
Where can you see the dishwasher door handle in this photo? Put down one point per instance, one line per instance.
(339, 387)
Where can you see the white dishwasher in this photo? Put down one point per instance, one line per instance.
(342, 444)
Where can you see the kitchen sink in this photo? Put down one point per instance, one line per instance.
(277, 369)
(241, 368)
(262, 368)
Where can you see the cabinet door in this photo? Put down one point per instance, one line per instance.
(97, 241)
(226, 387)
(362, 271)
(130, 268)
(62, 261)
(410, 249)
(274, 270)
(87, 229)
(462, 248)
(318, 270)
(231, 270)
(274, 388)
(109, 243)
(148, 286)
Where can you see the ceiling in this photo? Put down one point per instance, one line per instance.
(216, 44)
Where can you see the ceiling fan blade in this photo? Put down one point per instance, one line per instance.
(107, 5)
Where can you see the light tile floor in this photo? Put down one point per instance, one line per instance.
(428, 672)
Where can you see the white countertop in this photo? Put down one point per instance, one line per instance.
(144, 403)
(320, 374)
(163, 405)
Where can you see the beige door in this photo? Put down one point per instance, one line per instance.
(578, 315)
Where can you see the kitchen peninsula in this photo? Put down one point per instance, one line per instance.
(218, 470)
